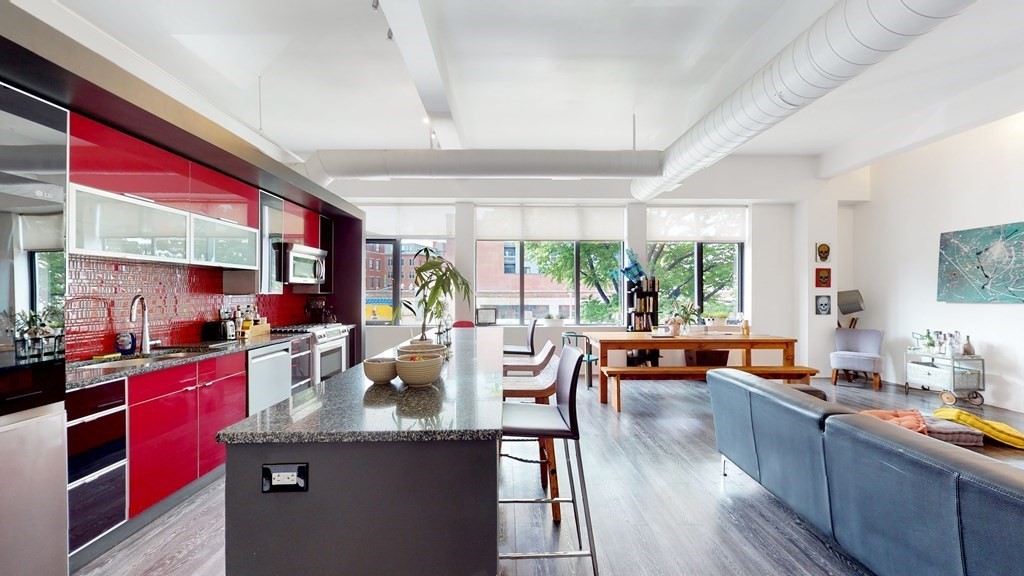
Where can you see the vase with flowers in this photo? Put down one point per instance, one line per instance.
(683, 314)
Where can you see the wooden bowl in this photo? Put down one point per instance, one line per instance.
(420, 372)
(380, 370)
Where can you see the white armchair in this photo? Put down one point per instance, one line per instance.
(857, 351)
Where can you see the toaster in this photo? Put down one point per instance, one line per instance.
(219, 330)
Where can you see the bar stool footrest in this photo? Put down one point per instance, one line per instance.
(535, 500)
(565, 554)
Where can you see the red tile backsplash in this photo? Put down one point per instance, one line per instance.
(180, 298)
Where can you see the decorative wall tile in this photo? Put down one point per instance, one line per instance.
(180, 298)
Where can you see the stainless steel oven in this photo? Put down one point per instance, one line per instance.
(328, 348)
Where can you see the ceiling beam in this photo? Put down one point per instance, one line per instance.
(424, 60)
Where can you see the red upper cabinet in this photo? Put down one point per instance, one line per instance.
(218, 196)
(301, 226)
(105, 158)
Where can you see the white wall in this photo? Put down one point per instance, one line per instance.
(970, 180)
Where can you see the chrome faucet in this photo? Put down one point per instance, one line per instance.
(146, 342)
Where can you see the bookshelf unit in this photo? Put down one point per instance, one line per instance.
(642, 316)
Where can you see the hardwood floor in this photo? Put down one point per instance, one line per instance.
(660, 504)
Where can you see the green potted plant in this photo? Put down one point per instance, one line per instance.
(552, 320)
(682, 315)
(715, 318)
(437, 281)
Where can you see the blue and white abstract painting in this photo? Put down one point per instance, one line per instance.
(982, 264)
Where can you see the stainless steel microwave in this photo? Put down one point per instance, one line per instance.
(304, 265)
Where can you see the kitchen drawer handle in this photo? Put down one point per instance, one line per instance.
(20, 396)
(191, 388)
(109, 404)
(269, 356)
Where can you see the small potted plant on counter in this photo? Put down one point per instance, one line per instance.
(437, 281)
(715, 318)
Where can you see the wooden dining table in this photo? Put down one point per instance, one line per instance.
(607, 341)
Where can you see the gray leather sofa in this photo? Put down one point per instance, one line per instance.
(897, 501)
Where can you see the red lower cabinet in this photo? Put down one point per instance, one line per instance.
(162, 447)
(173, 419)
(221, 404)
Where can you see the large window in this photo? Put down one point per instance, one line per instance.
(48, 281)
(685, 269)
(696, 252)
(390, 273)
(577, 281)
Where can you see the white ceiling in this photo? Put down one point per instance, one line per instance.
(543, 74)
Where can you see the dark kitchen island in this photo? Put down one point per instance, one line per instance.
(401, 480)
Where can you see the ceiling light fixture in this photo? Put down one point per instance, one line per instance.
(391, 36)
(426, 119)
(375, 4)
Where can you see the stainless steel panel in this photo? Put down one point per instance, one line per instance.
(270, 380)
(34, 499)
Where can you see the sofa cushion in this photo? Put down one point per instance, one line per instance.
(952, 432)
(999, 431)
(893, 496)
(991, 509)
(856, 361)
(734, 433)
(909, 419)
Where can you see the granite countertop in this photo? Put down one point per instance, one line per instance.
(85, 373)
(463, 404)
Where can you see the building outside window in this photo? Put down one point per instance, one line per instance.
(385, 296)
(578, 281)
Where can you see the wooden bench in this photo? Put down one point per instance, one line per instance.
(616, 374)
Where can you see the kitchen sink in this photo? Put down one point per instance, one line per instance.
(118, 364)
(172, 356)
(129, 362)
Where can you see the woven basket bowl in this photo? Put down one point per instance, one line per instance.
(421, 349)
(419, 372)
(380, 370)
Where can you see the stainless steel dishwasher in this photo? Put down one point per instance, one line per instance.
(270, 375)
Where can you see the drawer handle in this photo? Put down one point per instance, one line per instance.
(20, 396)
(191, 388)
(109, 404)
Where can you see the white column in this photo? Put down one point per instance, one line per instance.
(465, 255)
(636, 231)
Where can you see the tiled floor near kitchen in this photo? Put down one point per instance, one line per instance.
(660, 504)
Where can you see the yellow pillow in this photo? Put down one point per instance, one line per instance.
(995, 430)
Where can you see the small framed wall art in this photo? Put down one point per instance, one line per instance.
(822, 252)
(822, 277)
(823, 305)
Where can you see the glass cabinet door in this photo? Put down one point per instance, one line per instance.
(225, 244)
(108, 224)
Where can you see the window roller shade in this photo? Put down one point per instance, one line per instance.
(550, 223)
(696, 224)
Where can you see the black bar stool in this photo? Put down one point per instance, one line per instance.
(558, 420)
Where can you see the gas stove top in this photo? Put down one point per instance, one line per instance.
(299, 328)
(321, 332)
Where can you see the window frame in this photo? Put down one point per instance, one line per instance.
(698, 277)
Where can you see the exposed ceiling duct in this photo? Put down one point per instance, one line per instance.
(845, 41)
(381, 164)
